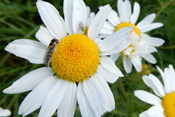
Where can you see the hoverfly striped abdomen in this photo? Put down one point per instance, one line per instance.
(49, 52)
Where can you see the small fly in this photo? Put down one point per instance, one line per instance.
(49, 52)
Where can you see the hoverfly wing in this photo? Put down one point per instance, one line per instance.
(49, 52)
(45, 57)
(81, 26)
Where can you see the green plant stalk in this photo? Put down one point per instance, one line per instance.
(162, 7)
(122, 91)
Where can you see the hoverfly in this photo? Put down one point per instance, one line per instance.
(49, 52)
(81, 26)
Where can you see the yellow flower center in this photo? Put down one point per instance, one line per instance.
(168, 103)
(145, 69)
(133, 50)
(126, 24)
(75, 58)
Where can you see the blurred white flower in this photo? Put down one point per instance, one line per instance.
(164, 102)
(131, 55)
(4, 112)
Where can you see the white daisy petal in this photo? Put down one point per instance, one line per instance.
(148, 57)
(172, 72)
(93, 96)
(115, 39)
(136, 12)
(110, 66)
(90, 18)
(118, 48)
(155, 110)
(4, 112)
(127, 64)
(106, 31)
(44, 36)
(31, 50)
(109, 77)
(152, 82)
(151, 27)
(68, 10)
(127, 7)
(152, 49)
(136, 61)
(113, 18)
(114, 57)
(168, 81)
(161, 115)
(104, 91)
(120, 7)
(54, 98)
(152, 40)
(146, 21)
(161, 73)
(147, 97)
(79, 16)
(34, 99)
(85, 109)
(98, 22)
(51, 18)
(144, 114)
(97, 40)
(108, 26)
(29, 81)
(68, 105)
(88, 9)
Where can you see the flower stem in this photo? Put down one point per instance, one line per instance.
(122, 91)
(159, 3)
(162, 7)
(167, 47)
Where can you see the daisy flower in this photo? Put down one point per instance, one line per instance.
(134, 53)
(91, 15)
(4, 112)
(164, 102)
(79, 69)
(127, 18)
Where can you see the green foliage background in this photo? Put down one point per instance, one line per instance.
(20, 19)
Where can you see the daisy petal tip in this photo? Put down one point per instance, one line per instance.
(154, 14)
(137, 3)
(6, 90)
(145, 77)
(121, 75)
(38, 2)
(108, 7)
(7, 48)
(157, 67)
(161, 24)
(137, 93)
(25, 114)
(170, 66)
(20, 112)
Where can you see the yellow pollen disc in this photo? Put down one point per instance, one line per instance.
(145, 66)
(168, 103)
(145, 69)
(122, 52)
(75, 58)
(126, 24)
